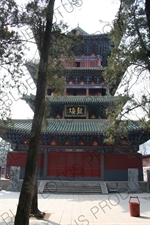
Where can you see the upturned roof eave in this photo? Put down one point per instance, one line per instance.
(75, 125)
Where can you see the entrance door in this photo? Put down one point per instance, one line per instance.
(74, 164)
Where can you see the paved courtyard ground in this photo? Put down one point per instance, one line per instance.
(73, 209)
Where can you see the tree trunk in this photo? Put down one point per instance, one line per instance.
(147, 9)
(34, 206)
(28, 193)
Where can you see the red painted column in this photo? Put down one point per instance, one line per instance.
(87, 91)
(87, 63)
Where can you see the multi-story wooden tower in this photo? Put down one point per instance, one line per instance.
(72, 144)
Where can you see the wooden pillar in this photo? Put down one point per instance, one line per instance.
(98, 62)
(86, 63)
(87, 91)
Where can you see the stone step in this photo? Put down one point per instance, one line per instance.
(41, 186)
(72, 187)
(104, 187)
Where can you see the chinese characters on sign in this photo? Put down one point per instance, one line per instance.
(75, 111)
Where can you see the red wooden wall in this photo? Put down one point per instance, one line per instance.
(19, 159)
(123, 161)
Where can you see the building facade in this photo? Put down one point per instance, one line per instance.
(72, 144)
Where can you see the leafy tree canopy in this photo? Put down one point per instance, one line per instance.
(131, 38)
(130, 57)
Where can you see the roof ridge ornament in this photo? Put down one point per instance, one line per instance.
(80, 31)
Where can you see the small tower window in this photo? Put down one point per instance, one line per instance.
(78, 64)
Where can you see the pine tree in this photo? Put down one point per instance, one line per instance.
(130, 36)
(28, 196)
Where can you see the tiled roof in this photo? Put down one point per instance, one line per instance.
(76, 99)
(81, 99)
(68, 126)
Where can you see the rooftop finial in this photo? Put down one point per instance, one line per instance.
(78, 25)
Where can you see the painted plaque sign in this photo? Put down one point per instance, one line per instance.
(75, 111)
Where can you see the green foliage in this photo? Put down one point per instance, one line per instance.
(4, 148)
(60, 48)
(131, 38)
(10, 45)
(33, 15)
(11, 54)
(117, 128)
(60, 51)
